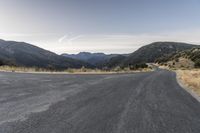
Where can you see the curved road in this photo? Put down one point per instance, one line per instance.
(151, 102)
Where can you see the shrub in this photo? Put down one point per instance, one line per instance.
(137, 66)
(1, 63)
(117, 69)
(83, 69)
(197, 63)
(177, 59)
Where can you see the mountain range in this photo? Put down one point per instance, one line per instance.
(92, 58)
(145, 54)
(24, 54)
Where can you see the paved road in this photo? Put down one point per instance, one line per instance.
(150, 102)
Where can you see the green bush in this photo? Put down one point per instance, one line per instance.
(137, 66)
(197, 63)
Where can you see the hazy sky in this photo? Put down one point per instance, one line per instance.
(110, 26)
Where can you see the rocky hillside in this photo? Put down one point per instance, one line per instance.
(95, 59)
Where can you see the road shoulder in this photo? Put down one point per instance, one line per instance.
(190, 91)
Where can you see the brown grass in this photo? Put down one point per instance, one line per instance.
(69, 70)
(191, 79)
(22, 69)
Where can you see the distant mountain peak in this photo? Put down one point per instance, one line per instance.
(92, 58)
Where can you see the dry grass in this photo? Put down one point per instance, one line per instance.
(191, 79)
(21, 69)
(100, 71)
(69, 71)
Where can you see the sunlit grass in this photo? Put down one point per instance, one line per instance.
(22, 69)
(70, 70)
(190, 78)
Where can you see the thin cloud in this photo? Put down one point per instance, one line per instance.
(62, 38)
(68, 38)
(125, 43)
(108, 43)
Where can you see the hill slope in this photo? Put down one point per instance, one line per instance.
(24, 54)
(151, 52)
(187, 59)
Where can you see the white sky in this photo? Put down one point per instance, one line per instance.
(108, 43)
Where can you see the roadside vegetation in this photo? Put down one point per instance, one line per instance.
(83, 70)
(23, 69)
(187, 66)
(190, 78)
(185, 59)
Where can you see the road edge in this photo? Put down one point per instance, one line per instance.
(190, 91)
(76, 73)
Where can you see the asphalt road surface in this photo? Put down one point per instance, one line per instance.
(151, 102)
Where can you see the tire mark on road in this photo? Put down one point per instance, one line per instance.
(139, 89)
